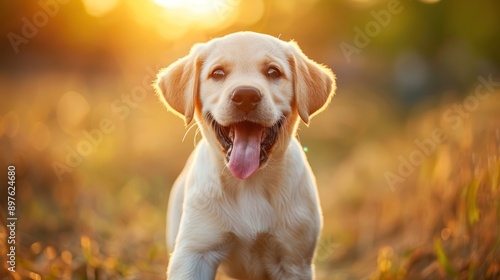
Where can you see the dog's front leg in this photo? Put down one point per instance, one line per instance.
(200, 247)
(193, 265)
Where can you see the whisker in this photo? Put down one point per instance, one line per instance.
(187, 131)
(223, 168)
(198, 130)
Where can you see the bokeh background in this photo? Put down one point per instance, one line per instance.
(406, 156)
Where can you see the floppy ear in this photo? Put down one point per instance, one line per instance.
(314, 84)
(177, 85)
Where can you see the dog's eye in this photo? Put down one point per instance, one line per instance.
(274, 73)
(218, 74)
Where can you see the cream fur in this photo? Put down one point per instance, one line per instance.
(265, 226)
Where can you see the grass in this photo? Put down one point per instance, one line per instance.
(442, 222)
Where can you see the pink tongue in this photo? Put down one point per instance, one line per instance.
(245, 154)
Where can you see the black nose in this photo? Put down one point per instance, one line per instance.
(246, 98)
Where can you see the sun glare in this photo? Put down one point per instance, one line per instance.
(201, 12)
(98, 8)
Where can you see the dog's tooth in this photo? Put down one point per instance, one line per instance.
(229, 150)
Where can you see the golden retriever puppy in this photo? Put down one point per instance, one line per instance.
(246, 202)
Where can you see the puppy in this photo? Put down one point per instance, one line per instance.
(246, 202)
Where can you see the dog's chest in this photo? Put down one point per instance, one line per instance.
(250, 213)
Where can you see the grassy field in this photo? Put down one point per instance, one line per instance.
(404, 196)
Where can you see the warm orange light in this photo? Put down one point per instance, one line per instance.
(202, 13)
(98, 8)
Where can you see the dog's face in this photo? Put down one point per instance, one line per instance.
(246, 91)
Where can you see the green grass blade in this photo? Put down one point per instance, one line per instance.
(442, 258)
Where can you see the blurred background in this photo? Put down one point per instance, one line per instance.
(406, 156)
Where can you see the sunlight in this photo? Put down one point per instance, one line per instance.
(98, 8)
(204, 13)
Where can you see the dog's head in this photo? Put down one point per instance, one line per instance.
(246, 90)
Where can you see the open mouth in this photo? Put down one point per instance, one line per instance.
(247, 144)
